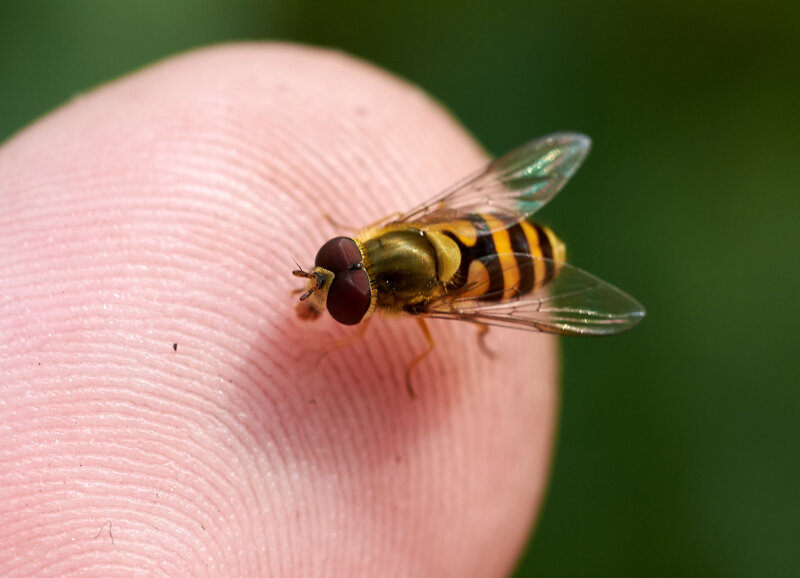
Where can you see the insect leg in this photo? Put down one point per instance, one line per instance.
(337, 224)
(344, 342)
(388, 219)
(352, 229)
(429, 340)
(483, 331)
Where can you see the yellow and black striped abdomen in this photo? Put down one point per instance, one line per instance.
(502, 259)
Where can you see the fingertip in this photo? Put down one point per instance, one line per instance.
(166, 207)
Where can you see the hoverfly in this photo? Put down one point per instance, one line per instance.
(471, 253)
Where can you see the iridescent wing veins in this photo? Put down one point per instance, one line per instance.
(517, 184)
(571, 302)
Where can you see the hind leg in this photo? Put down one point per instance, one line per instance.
(483, 331)
(414, 362)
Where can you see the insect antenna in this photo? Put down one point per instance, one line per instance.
(299, 272)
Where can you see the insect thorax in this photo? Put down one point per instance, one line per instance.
(403, 267)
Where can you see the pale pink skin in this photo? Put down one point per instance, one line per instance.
(166, 207)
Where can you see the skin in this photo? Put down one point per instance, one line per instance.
(165, 208)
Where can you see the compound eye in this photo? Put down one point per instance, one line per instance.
(349, 297)
(338, 254)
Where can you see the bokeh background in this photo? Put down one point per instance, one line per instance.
(679, 443)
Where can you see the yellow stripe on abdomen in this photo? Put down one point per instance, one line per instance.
(501, 259)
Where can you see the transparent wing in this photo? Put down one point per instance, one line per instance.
(517, 184)
(571, 302)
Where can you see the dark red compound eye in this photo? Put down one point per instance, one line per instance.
(349, 297)
(338, 254)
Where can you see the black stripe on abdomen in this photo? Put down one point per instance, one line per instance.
(483, 250)
(547, 253)
(522, 249)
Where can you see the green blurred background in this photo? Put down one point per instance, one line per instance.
(679, 444)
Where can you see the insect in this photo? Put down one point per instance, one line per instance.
(473, 254)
